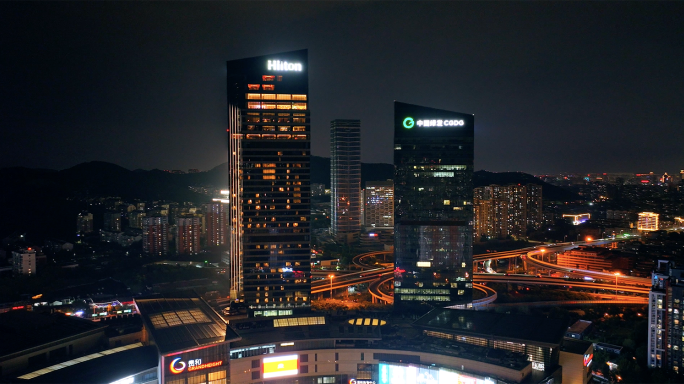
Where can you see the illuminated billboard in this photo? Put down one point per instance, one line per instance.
(178, 365)
(415, 120)
(280, 366)
(412, 374)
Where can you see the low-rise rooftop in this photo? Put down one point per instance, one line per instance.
(22, 330)
(182, 323)
(511, 327)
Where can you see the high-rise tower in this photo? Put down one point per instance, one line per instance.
(155, 239)
(188, 235)
(433, 200)
(345, 179)
(216, 223)
(269, 176)
(379, 204)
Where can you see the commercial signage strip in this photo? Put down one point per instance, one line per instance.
(410, 123)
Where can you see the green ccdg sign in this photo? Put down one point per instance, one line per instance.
(409, 123)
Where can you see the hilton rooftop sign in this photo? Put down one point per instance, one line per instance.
(277, 65)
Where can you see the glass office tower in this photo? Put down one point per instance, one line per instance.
(345, 179)
(269, 177)
(433, 206)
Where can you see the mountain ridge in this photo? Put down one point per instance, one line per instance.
(56, 197)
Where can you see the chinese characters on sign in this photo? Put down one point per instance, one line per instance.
(440, 123)
(409, 123)
(177, 366)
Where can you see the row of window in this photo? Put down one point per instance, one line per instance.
(425, 291)
(275, 96)
(266, 300)
(218, 377)
(424, 298)
(275, 105)
(280, 120)
(270, 136)
(265, 87)
(272, 128)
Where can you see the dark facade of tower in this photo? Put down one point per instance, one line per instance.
(269, 176)
(345, 178)
(433, 159)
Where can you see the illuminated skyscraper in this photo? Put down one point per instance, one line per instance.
(269, 176)
(379, 204)
(433, 200)
(217, 223)
(648, 221)
(155, 239)
(345, 178)
(188, 236)
(501, 211)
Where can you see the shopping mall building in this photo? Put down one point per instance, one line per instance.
(184, 341)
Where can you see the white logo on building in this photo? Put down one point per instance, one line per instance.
(277, 65)
(440, 123)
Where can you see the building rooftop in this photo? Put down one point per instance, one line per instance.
(311, 326)
(102, 367)
(512, 327)
(579, 326)
(181, 323)
(577, 347)
(392, 333)
(22, 330)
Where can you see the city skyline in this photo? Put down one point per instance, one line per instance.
(142, 86)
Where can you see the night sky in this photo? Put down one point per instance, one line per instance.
(554, 86)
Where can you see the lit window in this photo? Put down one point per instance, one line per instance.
(298, 97)
(268, 96)
(267, 78)
(254, 105)
(253, 96)
(284, 96)
(299, 129)
(253, 87)
(268, 87)
(447, 202)
(298, 105)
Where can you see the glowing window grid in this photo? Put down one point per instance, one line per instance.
(175, 318)
(295, 321)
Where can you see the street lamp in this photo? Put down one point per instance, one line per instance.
(332, 276)
(616, 277)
